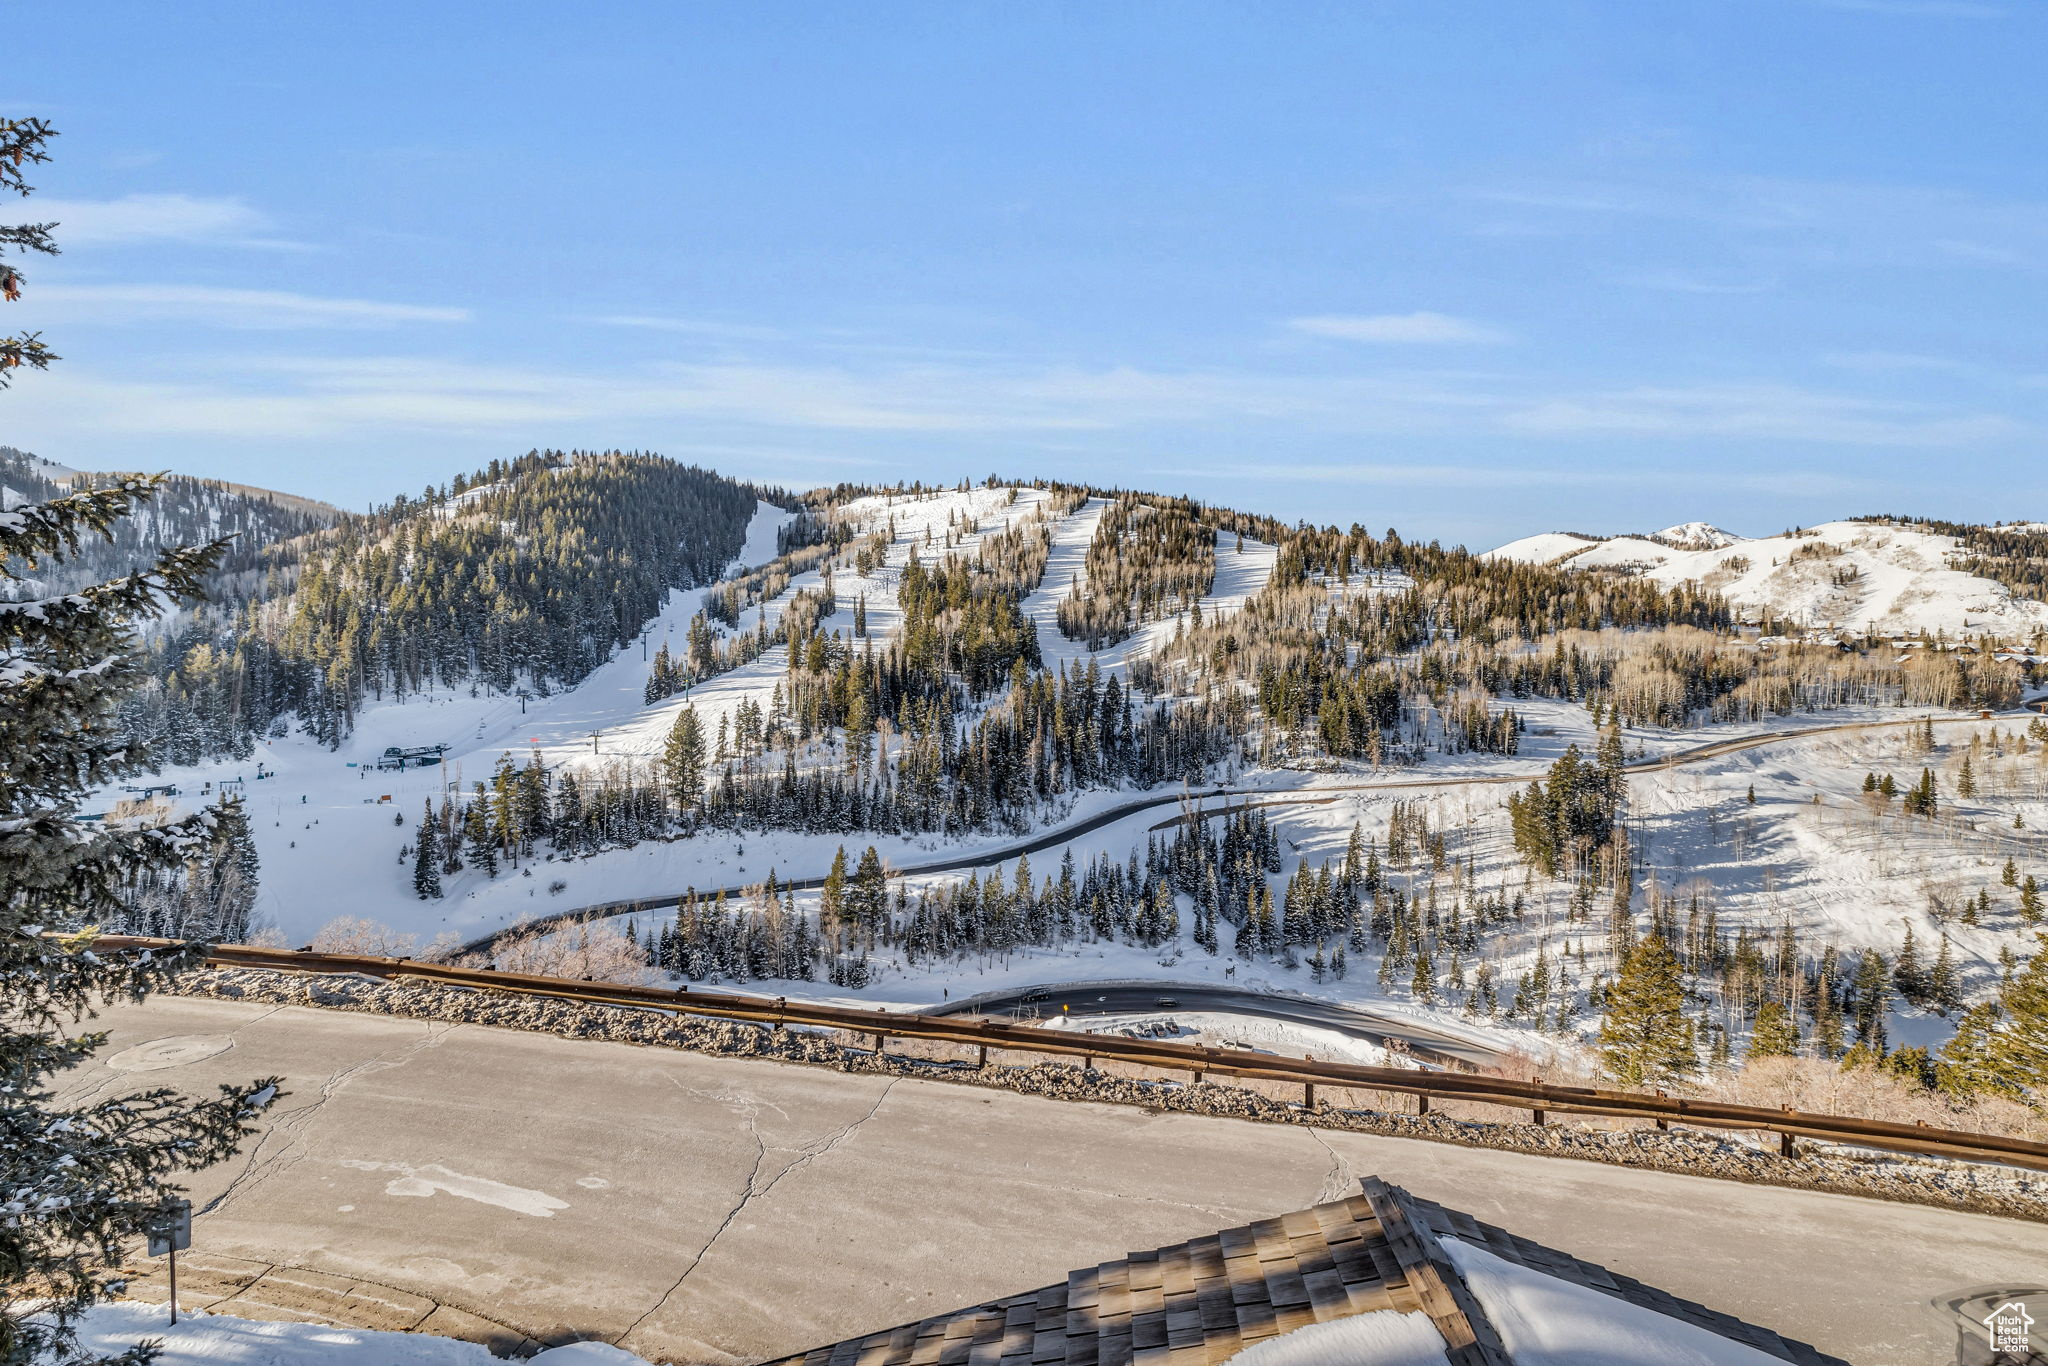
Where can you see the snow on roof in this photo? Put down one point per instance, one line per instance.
(1384, 1338)
(1546, 1321)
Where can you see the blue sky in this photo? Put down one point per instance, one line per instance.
(1471, 268)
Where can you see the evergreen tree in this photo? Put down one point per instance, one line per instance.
(2030, 901)
(1909, 979)
(1944, 985)
(1964, 1066)
(682, 759)
(79, 1183)
(868, 899)
(1869, 998)
(1645, 1037)
(426, 858)
(832, 900)
(1776, 1034)
(476, 831)
(2019, 1046)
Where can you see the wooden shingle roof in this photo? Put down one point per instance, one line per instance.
(1200, 1302)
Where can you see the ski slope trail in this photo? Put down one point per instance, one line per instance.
(623, 726)
(570, 725)
(1241, 575)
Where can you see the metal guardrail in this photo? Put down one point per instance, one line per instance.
(1540, 1098)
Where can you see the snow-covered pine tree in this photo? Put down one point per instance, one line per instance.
(78, 1184)
(426, 862)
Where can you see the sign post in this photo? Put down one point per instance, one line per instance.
(173, 1231)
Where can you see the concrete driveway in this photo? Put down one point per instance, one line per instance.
(705, 1209)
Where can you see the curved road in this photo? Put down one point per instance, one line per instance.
(1235, 798)
(1134, 998)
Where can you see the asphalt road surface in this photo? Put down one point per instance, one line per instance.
(704, 1209)
(1096, 998)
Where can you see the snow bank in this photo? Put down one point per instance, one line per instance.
(217, 1338)
(1223, 1029)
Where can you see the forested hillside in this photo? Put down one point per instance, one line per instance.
(526, 574)
(185, 511)
(924, 665)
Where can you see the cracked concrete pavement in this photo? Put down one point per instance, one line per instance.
(696, 1208)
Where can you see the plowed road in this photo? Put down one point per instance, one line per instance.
(703, 1209)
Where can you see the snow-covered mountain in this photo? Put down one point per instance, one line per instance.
(1845, 575)
(186, 511)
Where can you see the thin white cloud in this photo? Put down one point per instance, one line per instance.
(1767, 412)
(1429, 474)
(294, 398)
(156, 218)
(695, 327)
(1693, 282)
(1891, 362)
(1420, 328)
(237, 308)
(1772, 223)
(1410, 474)
(1919, 9)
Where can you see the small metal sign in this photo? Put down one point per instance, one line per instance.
(173, 1229)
